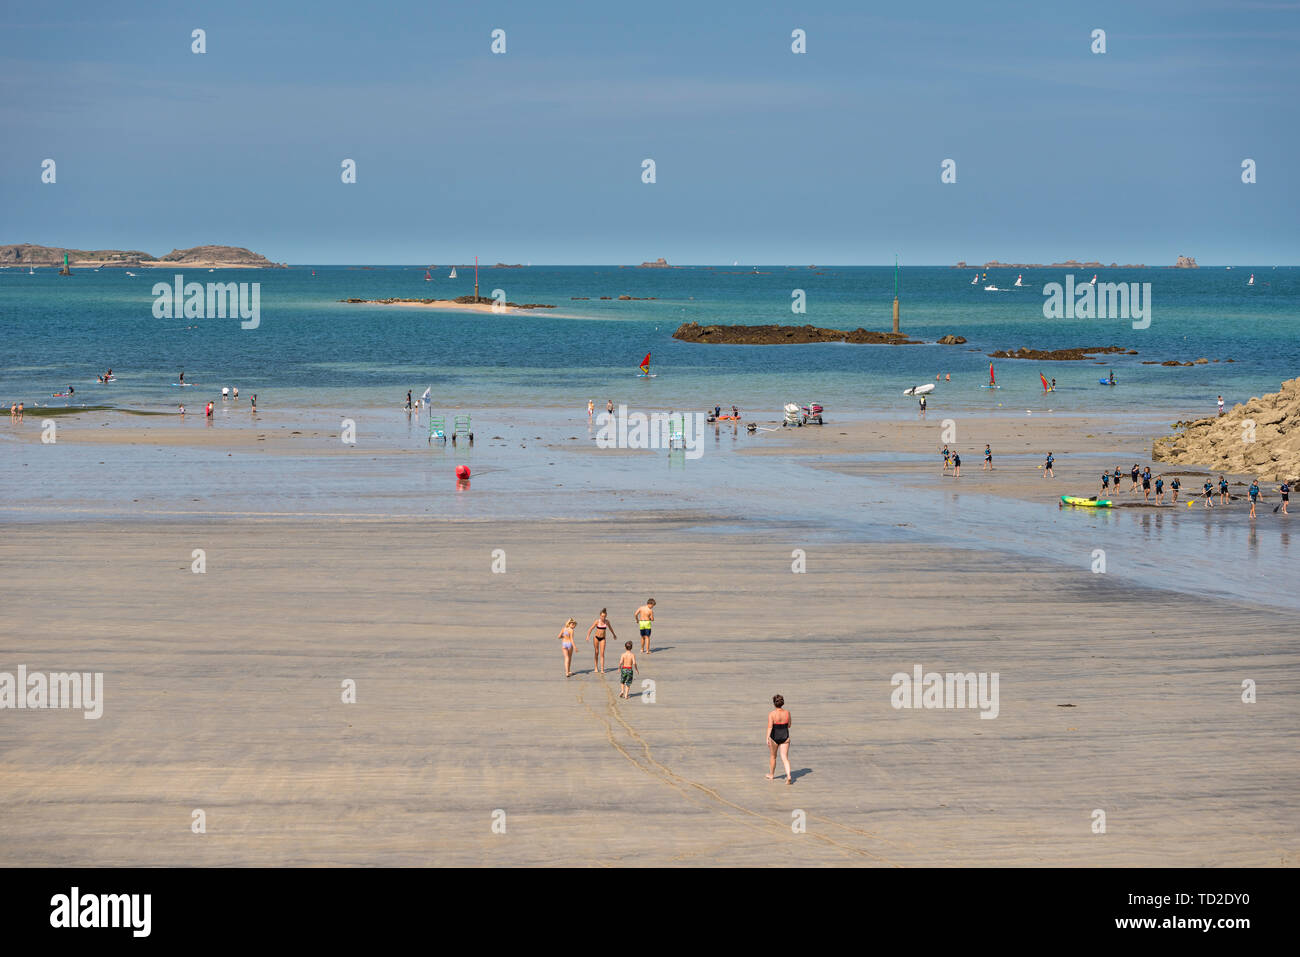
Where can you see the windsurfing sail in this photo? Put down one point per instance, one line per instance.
(992, 381)
(427, 393)
(427, 276)
(453, 273)
(645, 364)
(1046, 387)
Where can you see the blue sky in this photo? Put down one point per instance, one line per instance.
(762, 155)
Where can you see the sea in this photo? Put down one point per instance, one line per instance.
(524, 379)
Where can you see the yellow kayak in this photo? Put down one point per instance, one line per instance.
(1085, 502)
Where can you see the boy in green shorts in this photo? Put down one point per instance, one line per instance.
(626, 664)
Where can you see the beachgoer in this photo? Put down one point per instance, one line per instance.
(1053, 389)
(947, 459)
(1105, 482)
(1133, 475)
(988, 458)
(778, 738)
(13, 411)
(1047, 466)
(1174, 486)
(735, 413)
(254, 401)
(609, 406)
(1223, 490)
(234, 392)
(947, 377)
(600, 625)
(645, 619)
(1220, 405)
(1254, 496)
(566, 645)
(591, 408)
(1118, 476)
(956, 465)
(626, 664)
(182, 378)
(1284, 489)
(182, 410)
(408, 400)
(1146, 486)
(71, 391)
(1160, 490)
(1209, 495)
(209, 409)
(923, 405)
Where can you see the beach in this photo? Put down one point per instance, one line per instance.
(325, 563)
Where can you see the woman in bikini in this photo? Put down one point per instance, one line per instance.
(601, 625)
(566, 643)
(778, 738)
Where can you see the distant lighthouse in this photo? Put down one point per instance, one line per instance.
(65, 271)
(895, 294)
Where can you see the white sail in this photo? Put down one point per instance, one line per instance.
(453, 273)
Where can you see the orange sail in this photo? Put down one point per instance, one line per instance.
(1044, 378)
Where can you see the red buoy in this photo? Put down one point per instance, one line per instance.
(462, 471)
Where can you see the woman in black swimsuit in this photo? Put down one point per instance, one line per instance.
(600, 626)
(778, 738)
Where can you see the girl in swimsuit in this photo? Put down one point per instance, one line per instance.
(566, 642)
(600, 625)
(778, 738)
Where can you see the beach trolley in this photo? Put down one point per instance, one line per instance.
(676, 437)
(437, 429)
(461, 428)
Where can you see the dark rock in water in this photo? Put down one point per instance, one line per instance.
(1060, 355)
(785, 335)
(951, 341)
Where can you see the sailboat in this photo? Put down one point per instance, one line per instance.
(31, 271)
(1046, 385)
(645, 372)
(1020, 280)
(1093, 280)
(1251, 280)
(993, 383)
(975, 280)
(428, 277)
(453, 273)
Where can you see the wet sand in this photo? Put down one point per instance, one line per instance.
(222, 692)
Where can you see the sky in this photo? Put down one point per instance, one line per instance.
(762, 155)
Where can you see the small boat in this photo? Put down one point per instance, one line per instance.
(453, 273)
(1093, 280)
(31, 271)
(131, 274)
(976, 280)
(920, 389)
(1092, 502)
(428, 277)
(645, 372)
(1019, 280)
(1251, 280)
(992, 289)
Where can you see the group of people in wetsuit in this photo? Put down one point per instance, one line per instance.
(1144, 478)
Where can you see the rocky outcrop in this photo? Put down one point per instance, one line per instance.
(1260, 437)
(951, 341)
(25, 254)
(659, 263)
(785, 335)
(1186, 262)
(1060, 355)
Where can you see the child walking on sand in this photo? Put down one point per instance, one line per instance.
(566, 644)
(626, 665)
(645, 619)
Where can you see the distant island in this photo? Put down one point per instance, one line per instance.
(659, 263)
(207, 257)
(791, 335)
(1182, 262)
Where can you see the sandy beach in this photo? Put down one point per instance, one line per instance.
(222, 690)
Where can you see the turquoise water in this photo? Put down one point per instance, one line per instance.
(311, 351)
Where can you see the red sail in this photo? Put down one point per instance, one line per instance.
(645, 363)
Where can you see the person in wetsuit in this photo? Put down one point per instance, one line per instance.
(778, 738)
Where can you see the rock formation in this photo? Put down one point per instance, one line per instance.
(1186, 262)
(785, 335)
(659, 263)
(1060, 355)
(1260, 437)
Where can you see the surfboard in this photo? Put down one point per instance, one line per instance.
(647, 375)
(184, 385)
(1085, 502)
(990, 387)
(920, 389)
(1104, 382)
